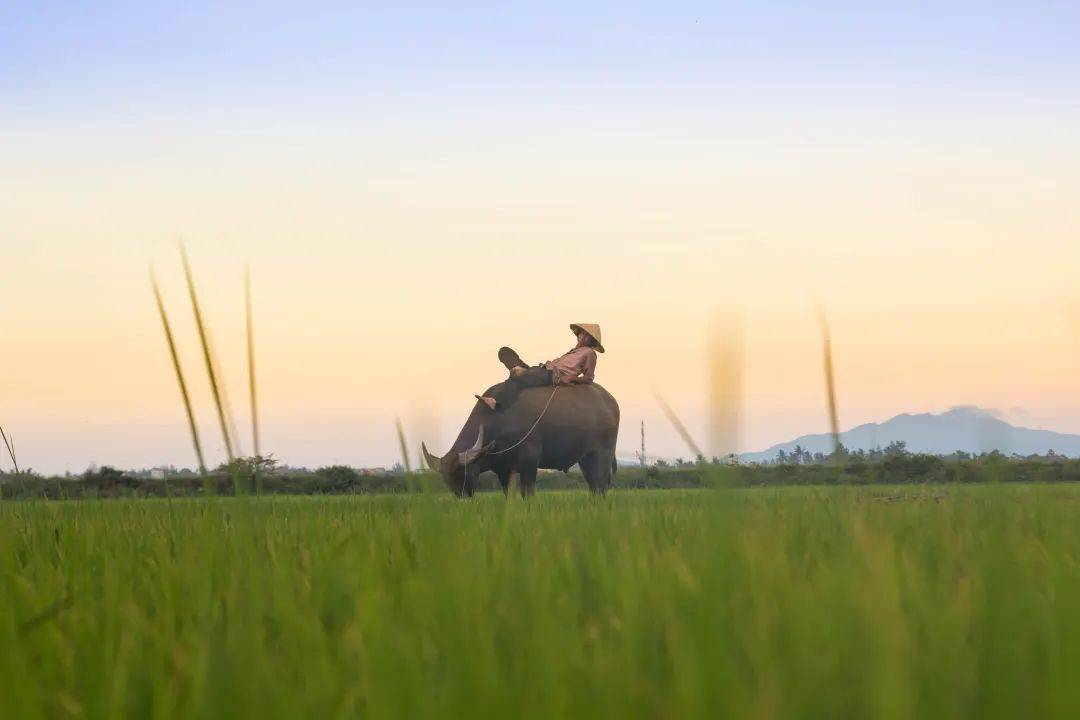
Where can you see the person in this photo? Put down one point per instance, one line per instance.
(576, 367)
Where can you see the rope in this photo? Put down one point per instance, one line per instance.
(526, 436)
(465, 464)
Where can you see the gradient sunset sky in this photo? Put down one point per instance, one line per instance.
(415, 184)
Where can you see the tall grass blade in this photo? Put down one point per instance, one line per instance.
(404, 446)
(250, 326)
(251, 365)
(179, 373)
(830, 381)
(725, 358)
(215, 386)
(10, 449)
(230, 417)
(679, 427)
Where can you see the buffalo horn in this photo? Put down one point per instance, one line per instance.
(476, 450)
(432, 462)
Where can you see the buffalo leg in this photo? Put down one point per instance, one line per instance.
(527, 477)
(596, 467)
(504, 481)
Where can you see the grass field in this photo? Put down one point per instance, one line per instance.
(920, 601)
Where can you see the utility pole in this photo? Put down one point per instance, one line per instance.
(641, 455)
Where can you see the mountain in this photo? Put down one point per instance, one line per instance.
(969, 429)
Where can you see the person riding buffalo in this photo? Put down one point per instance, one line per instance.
(576, 367)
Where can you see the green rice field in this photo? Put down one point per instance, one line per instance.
(872, 602)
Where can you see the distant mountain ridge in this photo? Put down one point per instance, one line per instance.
(966, 429)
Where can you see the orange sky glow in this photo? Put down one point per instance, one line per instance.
(394, 248)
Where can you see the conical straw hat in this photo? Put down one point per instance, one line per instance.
(591, 328)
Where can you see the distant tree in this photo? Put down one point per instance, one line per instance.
(104, 478)
(896, 448)
(247, 473)
(249, 466)
(340, 477)
(797, 455)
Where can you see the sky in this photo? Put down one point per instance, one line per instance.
(413, 185)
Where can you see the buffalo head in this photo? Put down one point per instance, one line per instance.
(460, 469)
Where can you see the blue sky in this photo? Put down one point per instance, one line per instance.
(61, 57)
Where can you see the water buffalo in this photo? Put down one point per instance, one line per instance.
(579, 426)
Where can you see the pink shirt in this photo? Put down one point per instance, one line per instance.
(579, 361)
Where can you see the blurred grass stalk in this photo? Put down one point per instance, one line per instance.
(404, 445)
(179, 373)
(830, 381)
(678, 425)
(230, 417)
(211, 373)
(251, 364)
(725, 358)
(11, 450)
